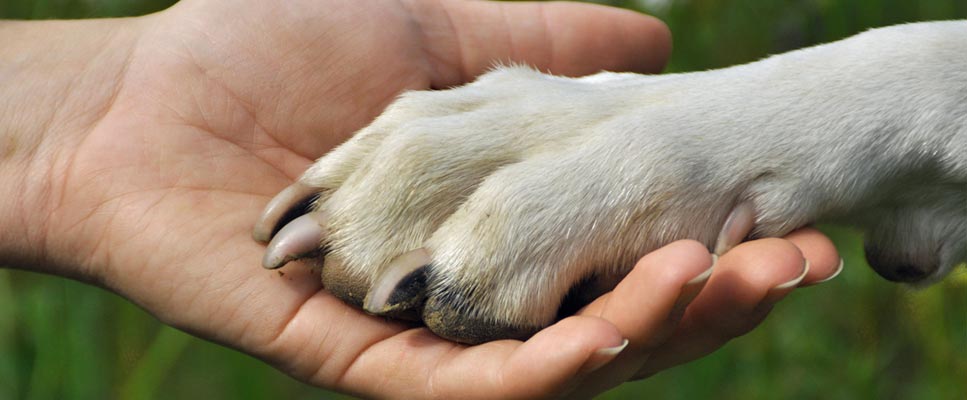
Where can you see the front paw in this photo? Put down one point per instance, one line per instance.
(491, 210)
(479, 210)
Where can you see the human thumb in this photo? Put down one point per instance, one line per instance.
(464, 39)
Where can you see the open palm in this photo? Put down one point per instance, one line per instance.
(222, 104)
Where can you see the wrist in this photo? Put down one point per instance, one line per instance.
(57, 79)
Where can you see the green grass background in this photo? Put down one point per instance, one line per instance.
(857, 337)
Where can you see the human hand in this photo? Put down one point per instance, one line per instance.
(176, 128)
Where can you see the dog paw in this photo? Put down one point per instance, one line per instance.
(488, 210)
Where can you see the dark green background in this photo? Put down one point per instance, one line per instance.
(857, 337)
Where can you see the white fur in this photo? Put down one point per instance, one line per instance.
(521, 184)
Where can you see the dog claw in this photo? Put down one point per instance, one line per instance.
(737, 227)
(401, 288)
(274, 213)
(300, 238)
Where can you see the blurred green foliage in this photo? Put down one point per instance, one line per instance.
(857, 337)
(50, 9)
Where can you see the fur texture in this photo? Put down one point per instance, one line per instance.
(521, 184)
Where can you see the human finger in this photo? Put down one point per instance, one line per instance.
(466, 38)
(747, 282)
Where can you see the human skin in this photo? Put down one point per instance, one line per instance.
(138, 153)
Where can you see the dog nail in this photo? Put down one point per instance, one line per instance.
(401, 286)
(602, 357)
(693, 287)
(737, 226)
(278, 207)
(298, 239)
(780, 291)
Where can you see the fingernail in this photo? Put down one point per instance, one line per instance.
(602, 357)
(834, 275)
(780, 291)
(693, 287)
